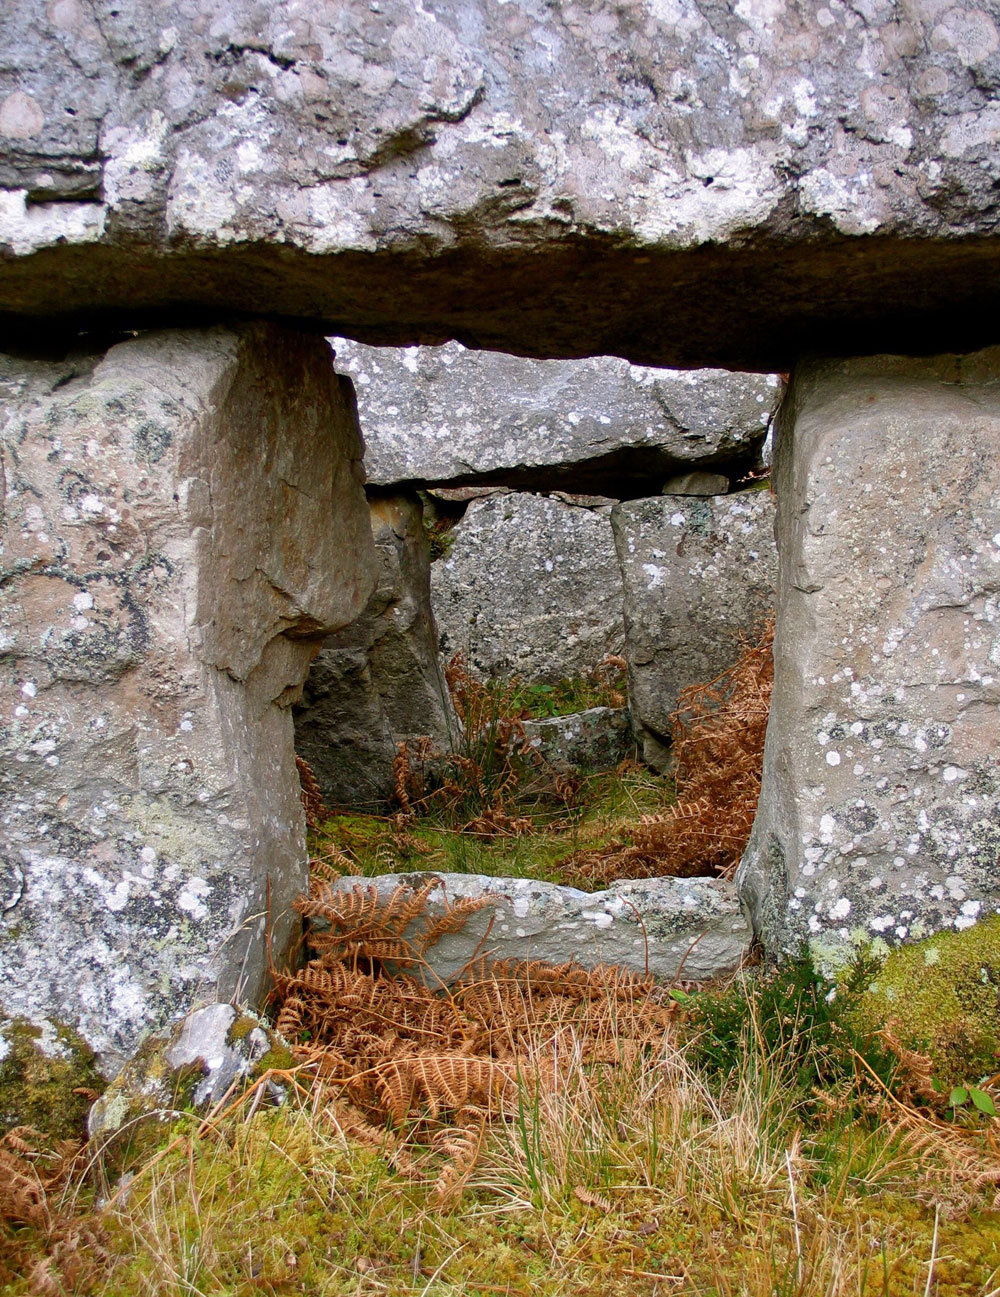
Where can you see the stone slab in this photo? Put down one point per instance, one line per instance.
(434, 415)
(530, 586)
(670, 924)
(677, 181)
(599, 738)
(183, 523)
(698, 575)
(879, 813)
(379, 682)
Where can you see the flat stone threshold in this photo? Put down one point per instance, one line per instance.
(665, 925)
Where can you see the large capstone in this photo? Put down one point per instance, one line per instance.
(698, 575)
(379, 682)
(879, 814)
(679, 182)
(446, 415)
(183, 522)
(530, 587)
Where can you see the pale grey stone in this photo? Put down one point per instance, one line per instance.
(598, 739)
(663, 924)
(204, 1037)
(680, 181)
(698, 576)
(879, 813)
(530, 587)
(184, 521)
(696, 484)
(379, 682)
(434, 415)
(199, 1062)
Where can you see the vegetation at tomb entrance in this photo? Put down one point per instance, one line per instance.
(739, 1141)
(539, 1131)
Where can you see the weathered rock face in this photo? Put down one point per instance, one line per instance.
(445, 414)
(183, 522)
(379, 682)
(879, 808)
(195, 1063)
(598, 739)
(530, 586)
(656, 923)
(698, 574)
(540, 178)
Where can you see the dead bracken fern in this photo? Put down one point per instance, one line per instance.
(718, 739)
(33, 1175)
(312, 797)
(391, 1046)
(491, 770)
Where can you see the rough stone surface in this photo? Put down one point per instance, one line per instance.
(696, 484)
(547, 178)
(379, 682)
(878, 814)
(598, 739)
(194, 1065)
(697, 575)
(530, 587)
(183, 522)
(445, 414)
(696, 921)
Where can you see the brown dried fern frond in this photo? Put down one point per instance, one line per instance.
(33, 1175)
(590, 1199)
(718, 731)
(312, 795)
(461, 1144)
(916, 1070)
(455, 916)
(442, 1082)
(395, 1049)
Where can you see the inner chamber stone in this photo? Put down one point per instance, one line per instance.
(379, 682)
(878, 816)
(184, 521)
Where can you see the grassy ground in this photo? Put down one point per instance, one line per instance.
(764, 1143)
(661, 1174)
(603, 687)
(600, 812)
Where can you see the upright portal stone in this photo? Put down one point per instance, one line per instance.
(698, 576)
(880, 809)
(183, 522)
(379, 682)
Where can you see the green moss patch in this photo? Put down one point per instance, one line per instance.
(48, 1077)
(941, 997)
(606, 806)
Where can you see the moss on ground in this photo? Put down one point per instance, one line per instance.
(941, 997)
(48, 1078)
(278, 1203)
